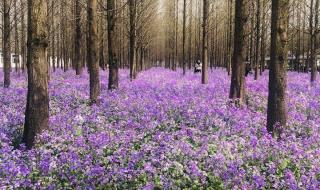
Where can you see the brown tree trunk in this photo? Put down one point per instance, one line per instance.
(230, 20)
(37, 109)
(93, 52)
(6, 44)
(53, 40)
(314, 35)
(113, 63)
(77, 38)
(257, 57)
(132, 40)
(23, 37)
(175, 61)
(205, 42)
(277, 108)
(184, 66)
(237, 88)
(263, 38)
(16, 38)
(190, 35)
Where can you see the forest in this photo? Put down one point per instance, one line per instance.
(160, 94)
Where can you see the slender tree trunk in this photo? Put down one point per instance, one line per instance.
(77, 38)
(175, 61)
(23, 37)
(230, 16)
(298, 51)
(53, 48)
(303, 38)
(314, 43)
(16, 38)
(190, 35)
(257, 61)
(113, 64)
(277, 108)
(93, 52)
(263, 38)
(132, 39)
(37, 109)
(205, 42)
(6, 44)
(184, 66)
(237, 88)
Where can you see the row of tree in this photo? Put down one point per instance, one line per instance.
(139, 34)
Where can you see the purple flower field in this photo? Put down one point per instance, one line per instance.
(161, 131)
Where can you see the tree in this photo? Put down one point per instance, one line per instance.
(277, 108)
(92, 51)
(77, 38)
(6, 44)
(257, 61)
(23, 43)
(190, 35)
(205, 42)
(16, 34)
(237, 88)
(37, 109)
(184, 66)
(113, 63)
(132, 40)
(314, 32)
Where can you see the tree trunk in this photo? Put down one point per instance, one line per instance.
(37, 109)
(53, 40)
(314, 35)
(93, 52)
(6, 44)
(175, 61)
(277, 108)
(257, 61)
(205, 42)
(132, 40)
(230, 20)
(113, 64)
(77, 38)
(263, 38)
(190, 35)
(184, 66)
(23, 37)
(16, 38)
(237, 88)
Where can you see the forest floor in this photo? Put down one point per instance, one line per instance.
(161, 130)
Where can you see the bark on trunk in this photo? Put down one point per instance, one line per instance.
(113, 63)
(77, 38)
(132, 40)
(205, 42)
(237, 88)
(37, 109)
(314, 35)
(93, 52)
(6, 44)
(277, 108)
(184, 38)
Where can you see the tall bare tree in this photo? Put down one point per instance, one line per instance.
(132, 40)
(113, 62)
(237, 88)
(205, 42)
(77, 38)
(37, 109)
(277, 108)
(184, 66)
(6, 43)
(92, 51)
